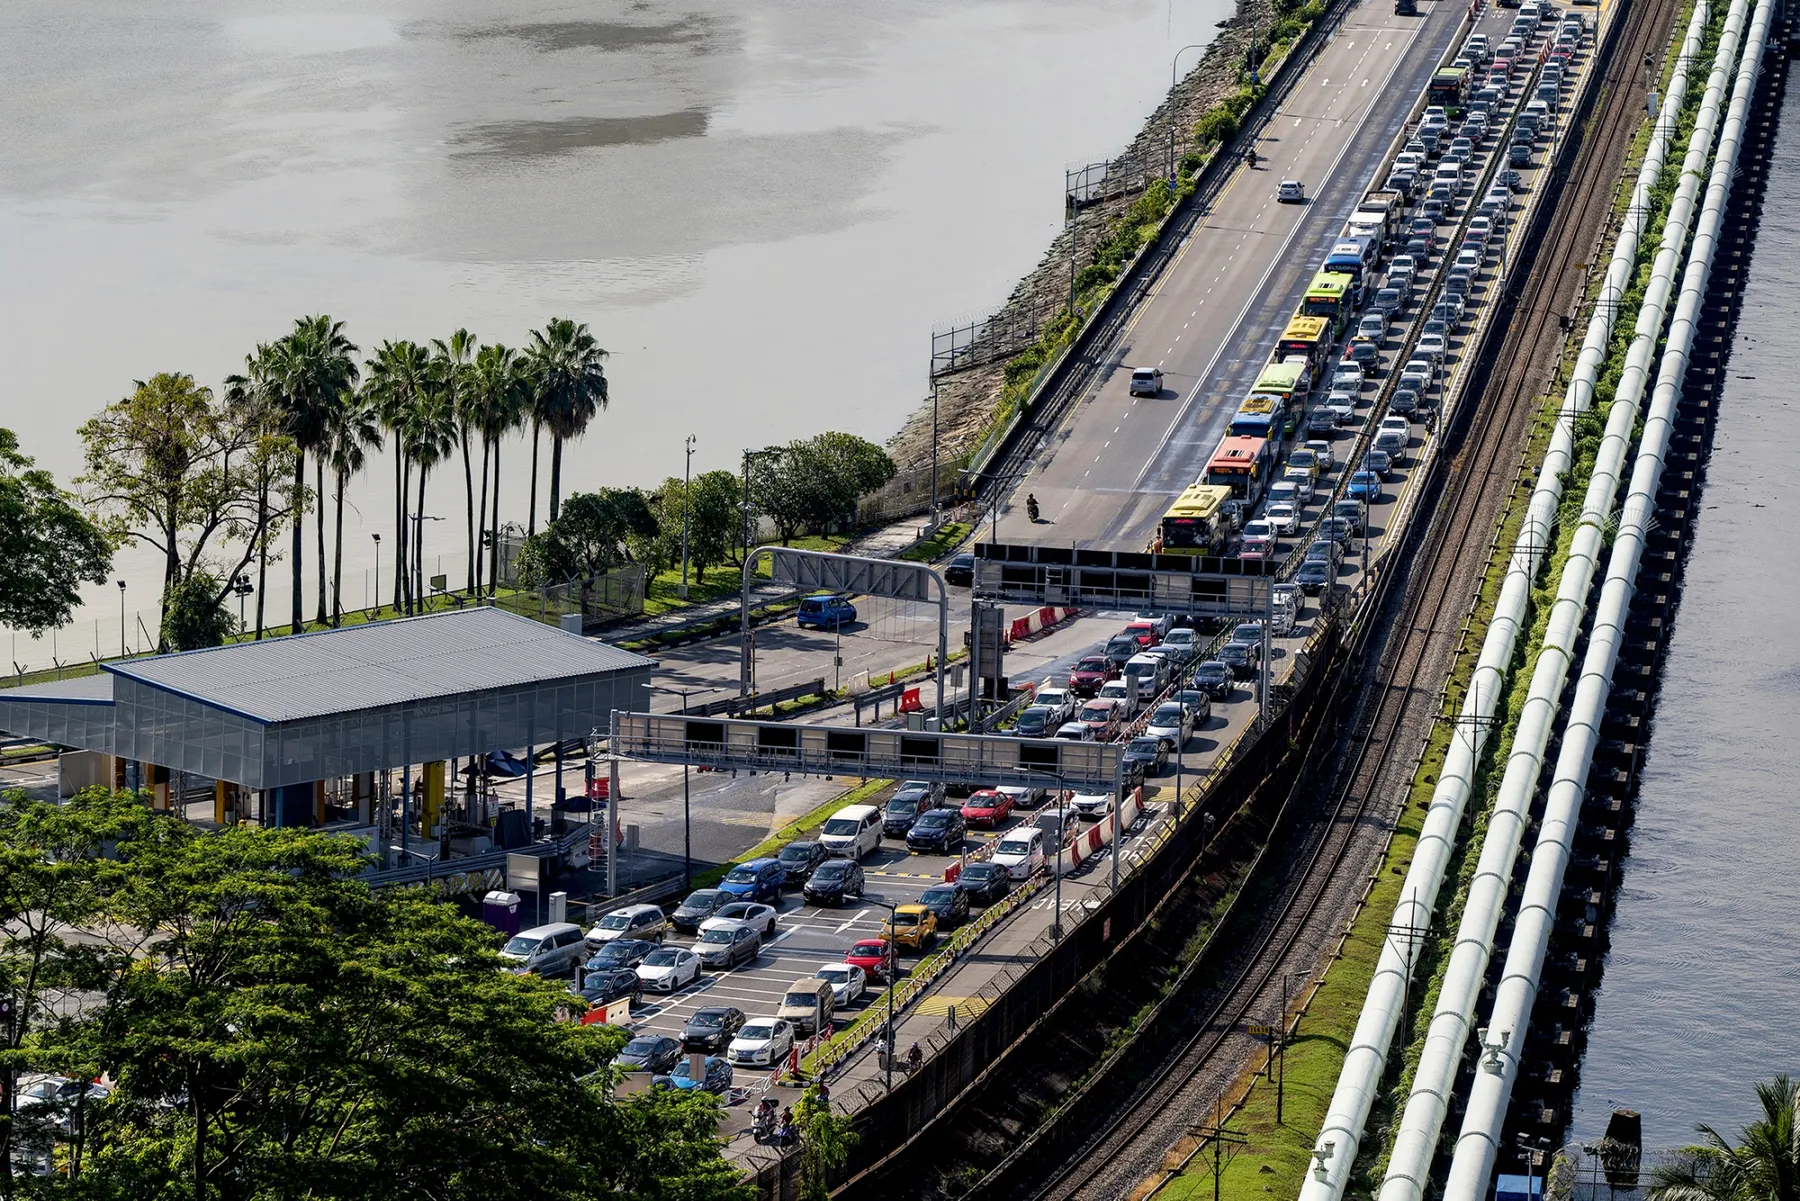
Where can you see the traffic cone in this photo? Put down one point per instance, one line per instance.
(890, 675)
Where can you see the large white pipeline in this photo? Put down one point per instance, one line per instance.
(1334, 1152)
(1478, 1143)
(1422, 1120)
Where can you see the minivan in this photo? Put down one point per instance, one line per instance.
(1146, 381)
(632, 921)
(808, 1004)
(1150, 672)
(1021, 852)
(548, 950)
(854, 830)
(825, 611)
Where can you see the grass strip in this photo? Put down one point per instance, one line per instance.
(801, 826)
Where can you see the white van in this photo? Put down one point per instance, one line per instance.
(1146, 381)
(854, 830)
(1150, 672)
(547, 950)
(1021, 852)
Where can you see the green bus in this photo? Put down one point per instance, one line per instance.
(1329, 297)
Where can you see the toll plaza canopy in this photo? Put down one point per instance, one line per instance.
(337, 702)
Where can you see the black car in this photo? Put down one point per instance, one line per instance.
(948, 902)
(960, 570)
(798, 859)
(835, 881)
(984, 883)
(603, 988)
(1313, 575)
(1120, 648)
(1146, 755)
(1214, 678)
(618, 955)
(656, 1053)
(712, 1029)
(1241, 658)
(1035, 722)
(905, 807)
(940, 830)
(716, 1081)
(701, 904)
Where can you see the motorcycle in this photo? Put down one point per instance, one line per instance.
(1031, 509)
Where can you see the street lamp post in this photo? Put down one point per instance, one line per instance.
(121, 619)
(241, 585)
(418, 548)
(893, 981)
(1172, 82)
(376, 599)
(687, 506)
(687, 821)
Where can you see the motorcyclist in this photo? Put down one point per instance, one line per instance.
(1250, 156)
(1031, 506)
(915, 1059)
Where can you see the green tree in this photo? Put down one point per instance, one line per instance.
(316, 365)
(253, 400)
(1763, 1165)
(194, 614)
(501, 392)
(816, 483)
(273, 1028)
(400, 375)
(595, 532)
(455, 361)
(429, 435)
(48, 547)
(569, 377)
(354, 429)
(826, 1139)
(710, 504)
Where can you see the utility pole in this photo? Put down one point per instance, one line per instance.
(1220, 1136)
(687, 507)
(934, 449)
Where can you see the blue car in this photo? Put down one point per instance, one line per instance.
(757, 880)
(825, 611)
(1365, 485)
(718, 1077)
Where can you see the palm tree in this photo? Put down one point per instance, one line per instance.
(399, 375)
(500, 395)
(455, 362)
(1763, 1166)
(566, 367)
(429, 433)
(258, 390)
(354, 430)
(315, 367)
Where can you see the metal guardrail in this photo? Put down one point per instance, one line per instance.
(733, 705)
(434, 869)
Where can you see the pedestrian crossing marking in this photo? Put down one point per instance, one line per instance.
(939, 1006)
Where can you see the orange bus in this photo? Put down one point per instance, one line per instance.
(1241, 464)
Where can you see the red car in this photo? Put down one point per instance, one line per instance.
(989, 807)
(1145, 632)
(1089, 674)
(871, 955)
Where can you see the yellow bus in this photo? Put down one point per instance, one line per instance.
(1193, 524)
(1310, 336)
(1329, 297)
(1260, 416)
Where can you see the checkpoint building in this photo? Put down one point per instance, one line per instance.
(313, 729)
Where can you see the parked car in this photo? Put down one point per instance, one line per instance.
(728, 946)
(835, 881)
(669, 969)
(619, 954)
(712, 1028)
(600, 989)
(548, 950)
(756, 880)
(912, 926)
(716, 1078)
(848, 982)
(939, 830)
(825, 611)
(655, 1053)
(1023, 797)
(700, 904)
(631, 921)
(761, 1042)
(854, 830)
(905, 807)
(874, 957)
(748, 913)
(984, 882)
(798, 859)
(950, 903)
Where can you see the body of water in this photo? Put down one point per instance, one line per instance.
(761, 209)
(1701, 996)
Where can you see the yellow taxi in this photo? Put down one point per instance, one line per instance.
(911, 926)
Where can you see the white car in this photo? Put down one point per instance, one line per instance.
(1060, 701)
(1123, 691)
(1284, 517)
(761, 1041)
(1022, 797)
(1322, 448)
(744, 913)
(1171, 723)
(1075, 731)
(848, 982)
(1290, 191)
(1091, 804)
(1183, 639)
(669, 969)
(1431, 346)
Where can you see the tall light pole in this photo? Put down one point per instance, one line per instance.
(121, 619)
(687, 505)
(377, 598)
(687, 821)
(893, 982)
(1172, 82)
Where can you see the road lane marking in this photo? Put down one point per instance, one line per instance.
(859, 916)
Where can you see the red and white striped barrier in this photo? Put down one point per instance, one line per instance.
(1039, 621)
(1096, 838)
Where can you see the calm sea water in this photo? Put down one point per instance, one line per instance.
(1702, 989)
(761, 208)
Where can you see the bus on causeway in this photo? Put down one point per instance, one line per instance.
(1241, 464)
(1329, 297)
(1449, 87)
(1257, 417)
(1310, 336)
(1193, 525)
(1284, 380)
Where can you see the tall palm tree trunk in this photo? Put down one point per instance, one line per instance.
(418, 581)
(556, 445)
(481, 509)
(319, 475)
(337, 555)
(494, 551)
(468, 499)
(399, 524)
(531, 520)
(299, 537)
(262, 553)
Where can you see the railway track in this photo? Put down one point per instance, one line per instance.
(1339, 842)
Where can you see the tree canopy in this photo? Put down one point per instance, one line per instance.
(815, 483)
(710, 503)
(595, 532)
(48, 547)
(268, 1027)
(1763, 1165)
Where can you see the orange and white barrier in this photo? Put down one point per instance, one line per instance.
(1097, 837)
(1039, 621)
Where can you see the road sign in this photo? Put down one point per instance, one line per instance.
(1262, 1031)
(1205, 585)
(814, 572)
(985, 759)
